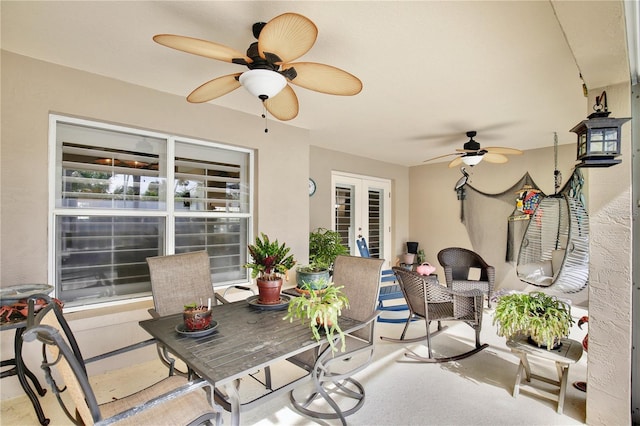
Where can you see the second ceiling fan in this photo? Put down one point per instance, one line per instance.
(472, 154)
(280, 41)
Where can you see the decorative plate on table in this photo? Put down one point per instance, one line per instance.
(17, 292)
(182, 329)
(282, 304)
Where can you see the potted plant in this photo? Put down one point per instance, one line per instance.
(270, 260)
(545, 319)
(196, 317)
(321, 308)
(324, 246)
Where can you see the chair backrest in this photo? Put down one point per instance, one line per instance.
(63, 355)
(180, 279)
(362, 247)
(460, 260)
(386, 274)
(360, 277)
(422, 290)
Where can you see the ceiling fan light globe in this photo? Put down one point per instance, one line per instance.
(263, 84)
(471, 160)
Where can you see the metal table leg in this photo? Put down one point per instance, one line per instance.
(23, 372)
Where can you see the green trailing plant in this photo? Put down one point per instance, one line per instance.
(324, 246)
(322, 308)
(270, 258)
(544, 318)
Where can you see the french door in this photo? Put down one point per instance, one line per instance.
(362, 207)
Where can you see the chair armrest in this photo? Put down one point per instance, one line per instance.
(121, 350)
(366, 322)
(175, 393)
(153, 313)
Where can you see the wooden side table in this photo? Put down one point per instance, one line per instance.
(567, 354)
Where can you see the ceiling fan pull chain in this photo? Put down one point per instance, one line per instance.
(264, 115)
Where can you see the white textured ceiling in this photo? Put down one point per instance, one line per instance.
(431, 70)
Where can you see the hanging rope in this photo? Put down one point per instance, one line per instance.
(557, 175)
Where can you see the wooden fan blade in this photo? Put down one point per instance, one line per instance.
(503, 150)
(455, 162)
(205, 48)
(468, 151)
(440, 156)
(289, 36)
(491, 157)
(283, 106)
(214, 88)
(325, 79)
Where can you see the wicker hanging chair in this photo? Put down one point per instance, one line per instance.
(555, 247)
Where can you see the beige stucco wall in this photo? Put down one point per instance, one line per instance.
(434, 222)
(610, 272)
(32, 89)
(323, 161)
(434, 218)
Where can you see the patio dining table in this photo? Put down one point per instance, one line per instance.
(246, 338)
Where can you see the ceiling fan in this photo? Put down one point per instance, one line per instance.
(280, 41)
(472, 154)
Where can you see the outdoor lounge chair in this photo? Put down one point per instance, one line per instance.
(458, 263)
(171, 401)
(333, 372)
(431, 301)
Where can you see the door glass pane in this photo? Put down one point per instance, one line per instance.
(344, 217)
(374, 215)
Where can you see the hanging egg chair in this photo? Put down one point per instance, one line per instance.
(555, 247)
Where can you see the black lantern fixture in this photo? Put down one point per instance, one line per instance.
(599, 136)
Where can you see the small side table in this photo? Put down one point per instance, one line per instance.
(567, 354)
(21, 370)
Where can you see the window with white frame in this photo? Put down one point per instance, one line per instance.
(122, 195)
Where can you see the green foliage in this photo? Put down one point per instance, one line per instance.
(324, 246)
(96, 182)
(321, 308)
(270, 258)
(545, 318)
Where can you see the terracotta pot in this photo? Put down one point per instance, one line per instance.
(269, 291)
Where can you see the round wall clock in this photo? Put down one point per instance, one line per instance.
(312, 187)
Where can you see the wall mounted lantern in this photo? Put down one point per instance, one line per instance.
(599, 136)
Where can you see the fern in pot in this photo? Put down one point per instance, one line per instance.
(322, 309)
(544, 318)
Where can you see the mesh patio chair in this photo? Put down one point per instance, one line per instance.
(458, 262)
(431, 301)
(333, 372)
(178, 280)
(389, 289)
(173, 400)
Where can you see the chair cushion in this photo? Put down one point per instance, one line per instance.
(173, 412)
